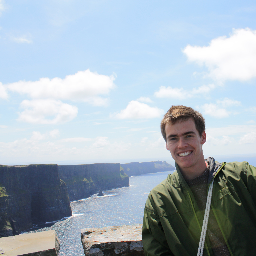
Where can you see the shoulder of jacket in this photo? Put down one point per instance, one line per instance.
(170, 181)
(163, 189)
(236, 169)
(236, 166)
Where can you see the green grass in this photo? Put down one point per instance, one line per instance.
(3, 192)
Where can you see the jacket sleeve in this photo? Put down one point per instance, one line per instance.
(153, 237)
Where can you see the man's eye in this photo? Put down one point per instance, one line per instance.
(172, 139)
(188, 136)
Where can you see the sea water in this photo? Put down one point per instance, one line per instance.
(122, 206)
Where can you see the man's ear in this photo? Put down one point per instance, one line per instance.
(203, 138)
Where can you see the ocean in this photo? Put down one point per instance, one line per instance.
(122, 206)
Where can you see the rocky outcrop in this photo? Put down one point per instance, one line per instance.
(85, 180)
(111, 241)
(43, 243)
(139, 168)
(30, 195)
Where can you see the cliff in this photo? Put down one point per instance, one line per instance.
(30, 195)
(85, 180)
(139, 168)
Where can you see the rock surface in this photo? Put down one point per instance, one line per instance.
(42, 243)
(109, 241)
(85, 180)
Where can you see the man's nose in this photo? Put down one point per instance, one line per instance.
(182, 143)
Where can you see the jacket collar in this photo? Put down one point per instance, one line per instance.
(213, 166)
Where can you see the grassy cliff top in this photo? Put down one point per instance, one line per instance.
(3, 192)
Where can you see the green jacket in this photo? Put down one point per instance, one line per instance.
(172, 220)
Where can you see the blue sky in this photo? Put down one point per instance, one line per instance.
(89, 81)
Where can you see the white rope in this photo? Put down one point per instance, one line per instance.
(205, 222)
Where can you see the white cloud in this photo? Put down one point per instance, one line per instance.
(3, 92)
(144, 140)
(204, 89)
(169, 92)
(100, 149)
(76, 139)
(226, 102)
(231, 130)
(37, 136)
(136, 129)
(219, 110)
(159, 143)
(228, 58)
(101, 142)
(152, 143)
(2, 8)
(248, 138)
(138, 110)
(181, 94)
(145, 99)
(54, 133)
(232, 139)
(252, 109)
(84, 85)
(97, 101)
(46, 112)
(223, 140)
(22, 39)
(215, 111)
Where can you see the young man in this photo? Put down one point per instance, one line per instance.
(176, 209)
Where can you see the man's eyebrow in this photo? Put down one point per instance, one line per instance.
(185, 133)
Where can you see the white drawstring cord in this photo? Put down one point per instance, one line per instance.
(205, 222)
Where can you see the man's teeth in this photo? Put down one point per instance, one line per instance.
(185, 153)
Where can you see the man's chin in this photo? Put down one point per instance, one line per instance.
(184, 165)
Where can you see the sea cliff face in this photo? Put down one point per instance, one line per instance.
(36, 194)
(30, 195)
(139, 168)
(85, 180)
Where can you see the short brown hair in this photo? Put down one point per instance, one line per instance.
(182, 113)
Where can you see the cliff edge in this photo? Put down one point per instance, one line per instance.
(139, 168)
(85, 180)
(29, 195)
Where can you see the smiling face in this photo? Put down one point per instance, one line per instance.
(185, 145)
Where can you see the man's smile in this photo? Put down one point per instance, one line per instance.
(185, 153)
